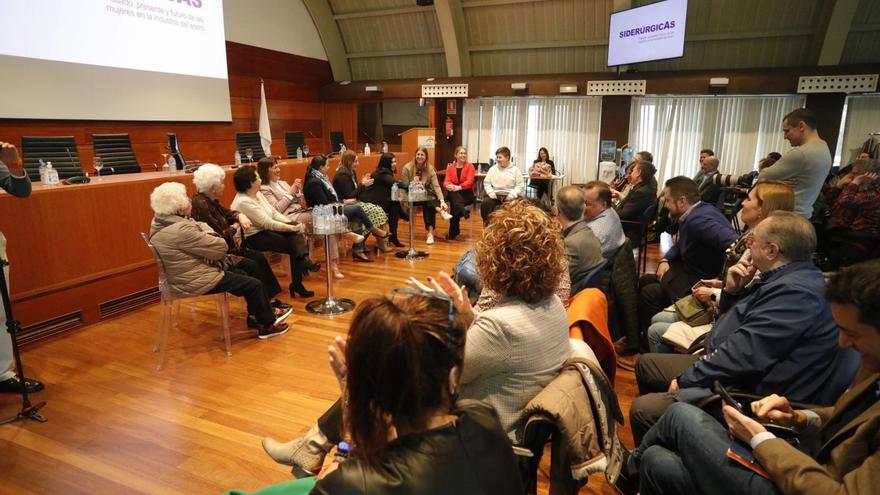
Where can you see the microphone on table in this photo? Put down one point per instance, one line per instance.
(69, 155)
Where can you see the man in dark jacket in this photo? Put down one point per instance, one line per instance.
(582, 246)
(777, 337)
(703, 236)
(642, 195)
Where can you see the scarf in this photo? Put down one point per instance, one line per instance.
(326, 181)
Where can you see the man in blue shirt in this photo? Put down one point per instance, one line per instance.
(602, 218)
(778, 335)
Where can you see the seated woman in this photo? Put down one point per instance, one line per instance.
(513, 350)
(319, 191)
(764, 199)
(346, 186)
(503, 182)
(192, 254)
(459, 184)
(379, 193)
(287, 200)
(270, 230)
(421, 170)
(229, 224)
(410, 434)
(540, 172)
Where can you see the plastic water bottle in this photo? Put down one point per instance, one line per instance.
(342, 148)
(367, 149)
(384, 147)
(42, 171)
(394, 192)
(299, 153)
(172, 164)
(341, 221)
(51, 175)
(237, 157)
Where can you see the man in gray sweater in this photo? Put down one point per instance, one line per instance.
(805, 166)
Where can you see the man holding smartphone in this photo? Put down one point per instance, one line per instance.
(685, 451)
(15, 181)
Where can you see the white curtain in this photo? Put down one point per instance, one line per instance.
(862, 116)
(567, 126)
(740, 129)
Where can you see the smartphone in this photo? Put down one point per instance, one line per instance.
(728, 399)
(698, 285)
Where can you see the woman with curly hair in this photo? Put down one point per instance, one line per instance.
(513, 350)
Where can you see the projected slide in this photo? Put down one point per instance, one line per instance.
(114, 59)
(652, 32)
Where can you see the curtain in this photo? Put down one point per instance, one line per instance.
(567, 126)
(862, 116)
(740, 129)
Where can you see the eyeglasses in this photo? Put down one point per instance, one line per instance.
(450, 340)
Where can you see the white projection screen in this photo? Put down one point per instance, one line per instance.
(152, 60)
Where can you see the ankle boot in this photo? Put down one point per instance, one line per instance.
(306, 454)
(382, 245)
(394, 240)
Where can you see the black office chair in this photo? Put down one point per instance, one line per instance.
(60, 150)
(116, 151)
(637, 233)
(593, 278)
(337, 138)
(292, 141)
(245, 140)
(174, 149)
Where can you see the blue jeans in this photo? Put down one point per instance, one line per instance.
(659, 324)
(685, 453)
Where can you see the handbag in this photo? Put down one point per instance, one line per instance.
(693, 312)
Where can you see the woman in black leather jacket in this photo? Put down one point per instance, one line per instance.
(436, 447)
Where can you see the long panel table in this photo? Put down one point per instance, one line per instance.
(76, 254)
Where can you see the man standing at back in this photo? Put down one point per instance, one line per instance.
(806, 165)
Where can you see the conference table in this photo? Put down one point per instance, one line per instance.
(75, 251)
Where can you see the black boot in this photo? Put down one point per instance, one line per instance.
(395, 241)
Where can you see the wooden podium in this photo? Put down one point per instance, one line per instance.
(419, 136)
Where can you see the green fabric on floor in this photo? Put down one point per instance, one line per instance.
(295, 487)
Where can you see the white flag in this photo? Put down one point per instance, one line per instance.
(265, 132)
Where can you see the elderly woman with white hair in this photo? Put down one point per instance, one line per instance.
(230, 224)
(192, 254)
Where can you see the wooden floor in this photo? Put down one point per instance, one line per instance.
(118, 426)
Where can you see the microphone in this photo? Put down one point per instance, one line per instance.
(371, 138)
(69, 156)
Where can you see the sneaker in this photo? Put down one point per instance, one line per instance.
(445, 215)
(279, 317)
(273, 331)
(296, 453)
(278, 304)
(430, 239)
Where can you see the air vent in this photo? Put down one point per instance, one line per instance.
(49, 328)
(601, 88)
(127, 303)
(444, 90)
(852, 83)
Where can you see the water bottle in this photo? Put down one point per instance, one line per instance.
(394, 192)
(317, 221)
(342, 148)
(237, 158)
(42, 171)
(172, 164)
(384, 147)
(51, 175)
(299, 153)
(367, 149)
(341, 221)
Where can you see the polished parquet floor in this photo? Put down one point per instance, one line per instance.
(118, 426)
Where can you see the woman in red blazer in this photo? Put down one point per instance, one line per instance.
(459, 184)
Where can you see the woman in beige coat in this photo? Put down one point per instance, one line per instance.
(192, 255)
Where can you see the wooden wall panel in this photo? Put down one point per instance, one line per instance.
(292, 86)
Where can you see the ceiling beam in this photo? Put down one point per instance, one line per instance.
(396, 53)
(383, 12)
(834, 37)
(322, 15)
(492, 3)
(450, 17)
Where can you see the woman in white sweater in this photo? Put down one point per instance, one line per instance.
(503, 182)
(270, 230)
